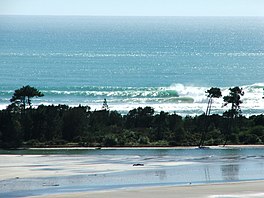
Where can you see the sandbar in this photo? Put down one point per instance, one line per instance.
(224, 190)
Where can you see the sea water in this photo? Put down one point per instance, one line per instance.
(48, 171)
(164, 62)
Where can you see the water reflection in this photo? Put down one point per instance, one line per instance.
(162, 174)
(207, 174)
(158, 175)
(230, 172)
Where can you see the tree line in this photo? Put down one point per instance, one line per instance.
(61, 125)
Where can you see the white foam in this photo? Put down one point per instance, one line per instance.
(192, 100)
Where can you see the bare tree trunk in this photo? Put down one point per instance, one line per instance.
(207, 113)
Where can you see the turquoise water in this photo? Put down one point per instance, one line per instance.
(163, 62)
(92, 170)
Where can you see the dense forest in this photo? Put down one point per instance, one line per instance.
(61, 125)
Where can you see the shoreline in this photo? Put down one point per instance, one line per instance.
(96, 172)
(231, 146)
(213, 190)
(250, 146)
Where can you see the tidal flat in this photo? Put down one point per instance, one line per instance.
(47, 172)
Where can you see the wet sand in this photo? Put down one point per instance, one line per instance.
(43, 175)
(226, 190)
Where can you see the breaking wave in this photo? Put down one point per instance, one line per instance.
(179, 98)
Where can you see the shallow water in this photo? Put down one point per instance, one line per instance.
(45, 171)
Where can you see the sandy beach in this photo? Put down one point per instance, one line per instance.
(227, 190)
(232, 172)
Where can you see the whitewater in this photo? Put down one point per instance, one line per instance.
(167, 63)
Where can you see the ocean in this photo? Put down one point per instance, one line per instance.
(164, 62)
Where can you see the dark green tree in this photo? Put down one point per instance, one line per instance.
(161, 125)
(75, 123)
(214, 92)
(234, 98)
(10, 130)
(23, 96)
(140, 117)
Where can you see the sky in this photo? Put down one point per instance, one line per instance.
(133, 7)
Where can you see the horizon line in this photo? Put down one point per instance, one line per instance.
(76, 15)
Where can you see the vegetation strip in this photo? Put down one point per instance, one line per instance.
(61, 125)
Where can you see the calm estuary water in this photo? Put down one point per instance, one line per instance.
(45, 171)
